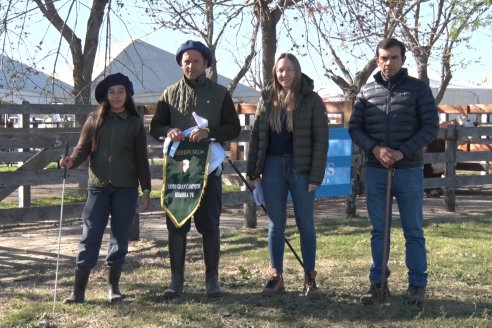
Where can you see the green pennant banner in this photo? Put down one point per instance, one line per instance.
(184, 175)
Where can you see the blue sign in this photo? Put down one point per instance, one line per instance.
(338, 165)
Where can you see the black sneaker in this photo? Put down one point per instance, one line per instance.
(374, 295)
(416, 295)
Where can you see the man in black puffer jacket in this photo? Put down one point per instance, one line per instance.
(394, 117)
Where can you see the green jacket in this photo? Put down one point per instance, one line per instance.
(121, 155)
(310, 134)
(208, 99)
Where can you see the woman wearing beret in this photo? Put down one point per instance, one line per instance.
(113, 138)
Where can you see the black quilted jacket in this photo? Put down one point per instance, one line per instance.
(402, 117)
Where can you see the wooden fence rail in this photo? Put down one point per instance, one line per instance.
(37, 147)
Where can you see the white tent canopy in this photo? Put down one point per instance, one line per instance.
(152, 69)
(20, 83)
(457, 93)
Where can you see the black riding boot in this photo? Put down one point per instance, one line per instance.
(79, 286)
(114, 294)
(211, 255)
(177, 252)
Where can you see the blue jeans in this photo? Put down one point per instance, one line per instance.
(207, 215)
(408, 189)
(121, 203)
(278, 179)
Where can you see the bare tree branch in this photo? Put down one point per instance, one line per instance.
(210, 20)
(445, 29)
(83, 58)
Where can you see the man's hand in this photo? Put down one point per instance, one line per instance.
(175, 134)
(387, 156)
(198, 134)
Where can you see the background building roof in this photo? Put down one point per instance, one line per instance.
(152, 69)
(20, 83)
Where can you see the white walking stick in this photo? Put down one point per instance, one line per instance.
(60, 228)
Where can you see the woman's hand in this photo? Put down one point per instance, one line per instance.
(252, 183)
(145, 201)
(66, 161)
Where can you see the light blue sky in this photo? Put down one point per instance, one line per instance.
(477, 69)
(478, 53)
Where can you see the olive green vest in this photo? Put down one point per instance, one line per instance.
(206, 99)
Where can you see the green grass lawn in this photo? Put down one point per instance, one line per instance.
(459, 293)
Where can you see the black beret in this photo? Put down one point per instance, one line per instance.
(194, 45)
(109, 81)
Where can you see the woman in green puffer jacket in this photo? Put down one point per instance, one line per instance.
(288, 149)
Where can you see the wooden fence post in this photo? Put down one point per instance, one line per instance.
(135, 233)
(449, 196)
(250, 220)
(351, 200)
(249, 208)
(24, 194)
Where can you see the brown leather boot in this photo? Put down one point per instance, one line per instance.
(375, 295)
(274, 285)
(416, 295)
(310, 288)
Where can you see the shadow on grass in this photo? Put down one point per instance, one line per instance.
(291, 307)
(35, 265)
(335, 307)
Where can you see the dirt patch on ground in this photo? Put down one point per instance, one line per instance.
(37, 244)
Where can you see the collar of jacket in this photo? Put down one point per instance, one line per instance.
(123, 115)
(395, 80)
(200, 81)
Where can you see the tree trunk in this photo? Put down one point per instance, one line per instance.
(268, 21)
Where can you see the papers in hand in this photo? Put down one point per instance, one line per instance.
(217, 153)
(201, 122)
